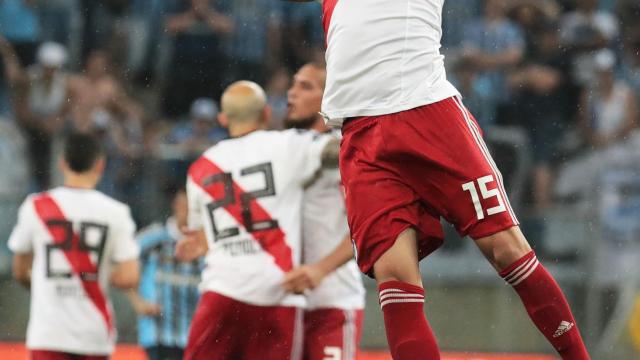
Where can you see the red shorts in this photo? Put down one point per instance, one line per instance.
(332, 334)
(410, 168)
(223, 328)
(58, 355)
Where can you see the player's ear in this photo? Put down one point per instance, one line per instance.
(223, 120)
(101, 163)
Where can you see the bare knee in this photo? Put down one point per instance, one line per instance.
(400, 262)
(504, 248)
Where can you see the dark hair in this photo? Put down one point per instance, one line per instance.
(81, 151)
(175, 188)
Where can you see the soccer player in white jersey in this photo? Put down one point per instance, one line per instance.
(70, 243)
(411, 153)
(245, 194)
(333, 318)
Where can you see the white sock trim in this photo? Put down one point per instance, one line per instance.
(395, 301)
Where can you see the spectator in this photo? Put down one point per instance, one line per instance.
(20, 25)
(277, 96)
(99, 104)
(168, 290)
(630, 67)
(148, 42)
(544, 100)
(254, 45)
(192, 138)
(97, 90)
(608, 110)
(494, 44)
(529, 15)
(477, 93)
(198, 62)
(628, 13)
(305, 38)
(188, 140)
(61, 19)
(102, 26)
(13, 184)
(122, 139)
(453, 14)
(608, 116)
(40, 102)
(584, 31)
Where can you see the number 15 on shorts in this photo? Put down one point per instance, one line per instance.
(486, 194)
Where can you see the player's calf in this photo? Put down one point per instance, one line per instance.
(402, 301)
(542, 297)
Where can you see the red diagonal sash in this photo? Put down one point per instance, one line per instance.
(327, 12)
(80, 262)
(271, 240)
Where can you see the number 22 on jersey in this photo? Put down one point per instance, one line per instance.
(245, 198)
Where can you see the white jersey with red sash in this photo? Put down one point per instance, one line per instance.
(75, 235)
(383, 57)
(324, 225)
(247, 194)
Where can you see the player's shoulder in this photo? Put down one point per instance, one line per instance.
(30, 200)
(307, 135)
(268, 135)
(28, 204)
(112, 205)
(260, 141)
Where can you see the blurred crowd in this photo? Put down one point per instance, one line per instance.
(563, 79)
(554, 80)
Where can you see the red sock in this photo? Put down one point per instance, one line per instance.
(408, 333)
(546, 305)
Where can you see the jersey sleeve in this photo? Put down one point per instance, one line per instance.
(125, 245)
(306, 150)
(194, 218)
(21, 238)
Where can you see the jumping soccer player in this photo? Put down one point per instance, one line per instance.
(70, 243)
(246, 195)
(411, 152)
(333, 318)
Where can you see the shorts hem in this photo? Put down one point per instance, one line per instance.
(490, 232)
(383, 248)
(68, 351)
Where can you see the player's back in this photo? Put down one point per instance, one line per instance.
(382, 57)
(75, 235)
(247, 193)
